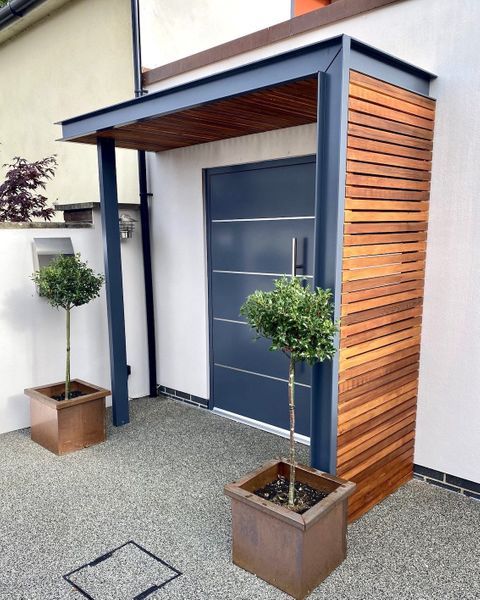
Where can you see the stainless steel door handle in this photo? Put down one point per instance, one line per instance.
(294, 256)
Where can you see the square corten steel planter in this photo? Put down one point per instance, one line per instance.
(290, 551)
(67, 425)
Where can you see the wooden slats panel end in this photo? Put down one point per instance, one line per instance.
(389, 153)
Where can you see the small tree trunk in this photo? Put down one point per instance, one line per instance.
(291, 404)
(67, 366)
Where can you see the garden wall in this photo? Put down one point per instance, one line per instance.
(32, 333)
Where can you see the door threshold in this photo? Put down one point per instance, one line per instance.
(301, 439)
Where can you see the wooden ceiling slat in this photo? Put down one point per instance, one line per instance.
(286, 105)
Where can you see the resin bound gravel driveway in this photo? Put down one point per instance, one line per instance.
(159, 482)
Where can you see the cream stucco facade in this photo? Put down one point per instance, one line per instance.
(70, 59)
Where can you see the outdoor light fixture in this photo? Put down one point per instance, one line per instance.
(127, 226)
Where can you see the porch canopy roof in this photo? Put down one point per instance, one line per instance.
(272, 93)
(306, 85)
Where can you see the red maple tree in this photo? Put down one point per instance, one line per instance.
(20, 199)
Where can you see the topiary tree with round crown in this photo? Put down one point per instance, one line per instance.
(299, 322)
(67, 282)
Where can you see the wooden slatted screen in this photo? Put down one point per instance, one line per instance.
(389, 152)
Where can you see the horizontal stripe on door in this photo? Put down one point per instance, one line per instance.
(253, 273)
(260, 375)
(263, 219)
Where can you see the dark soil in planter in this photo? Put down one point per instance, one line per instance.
(305, 495)
(74, 394)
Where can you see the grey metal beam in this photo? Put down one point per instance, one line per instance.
(330, 186)
(295, 64)
(113, 280)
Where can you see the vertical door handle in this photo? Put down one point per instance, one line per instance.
(294, 256)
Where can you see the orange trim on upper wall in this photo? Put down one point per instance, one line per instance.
(301, 7)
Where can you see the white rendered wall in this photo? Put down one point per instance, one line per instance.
(173, 30)
(442, 37)
(32, 351)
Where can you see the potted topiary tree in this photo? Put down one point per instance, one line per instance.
(69, 415)
(289, 520)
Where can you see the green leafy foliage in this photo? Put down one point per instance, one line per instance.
(67, 282)
(296, 319)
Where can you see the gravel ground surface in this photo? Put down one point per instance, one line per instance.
(159, 481)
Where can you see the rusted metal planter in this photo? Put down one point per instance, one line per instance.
(290, 551)
(67, 425)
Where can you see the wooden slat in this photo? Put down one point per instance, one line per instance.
(383, 450)
(366, 239)
(387, 484)
(378, 434)
(362, 143)
(381, 475)
(375, 453)
(394, 91)
(384, 205)
(394, 378)
(380, 391)
(375, 122)
(381, 320)
(388, 159)
(374, 193)
(371, 472)
(364, 368)
(390, 227)
(389, 137)
(373, 313)
(379, 342)
(350, 275)
(363, 284)
(388, 473)
(381, 371)
(370, 108)
(285, 105)
(371, 334)
(350, 309)
(361, 216)
(389, 146)
(370, 168)
(376, 292)
(377, 96)
(372, 249)
(357, 262)
(386, 182)
(349, 362)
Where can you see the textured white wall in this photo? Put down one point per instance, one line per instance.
(442, 37)
(32, 351)
(173, 30)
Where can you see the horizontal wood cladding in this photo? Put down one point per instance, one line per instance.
(389, 153)
(285, 105)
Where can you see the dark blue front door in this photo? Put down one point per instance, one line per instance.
(254, 211)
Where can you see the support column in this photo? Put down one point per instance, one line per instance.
(113, 280)
(330, 192)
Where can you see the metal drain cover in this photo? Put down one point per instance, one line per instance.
(127, 573)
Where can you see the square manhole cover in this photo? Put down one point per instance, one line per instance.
(127, 573)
